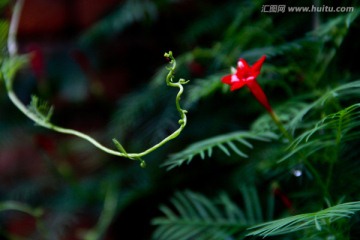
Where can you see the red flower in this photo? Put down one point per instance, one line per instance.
(246, 75)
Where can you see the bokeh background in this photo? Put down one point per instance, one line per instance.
(101, 65)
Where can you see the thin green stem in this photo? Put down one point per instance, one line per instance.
(14, 24)
(281, 127)
(334, 156)
(15, 100)
(36, 213)
(107, 215)
(21, 207)
(35, 114)
(44, 122)
(182, 112)
(315, 173)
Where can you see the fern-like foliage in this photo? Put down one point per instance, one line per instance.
(132, 109)
(41, 108)
(342, 92)
(316, 220)
(203, 88)
(332, 130)
(286, 112)
(126, 14)
(198, 217)
(334, 28)
(225, 142)
(341, 122)
(209, 24)
(312, 44)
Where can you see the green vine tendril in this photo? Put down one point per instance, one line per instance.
(40, 112)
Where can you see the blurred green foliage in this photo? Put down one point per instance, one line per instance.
(311, 78)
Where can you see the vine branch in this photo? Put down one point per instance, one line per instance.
(41, 114)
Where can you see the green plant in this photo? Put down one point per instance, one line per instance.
(40, 112)
(236, 171)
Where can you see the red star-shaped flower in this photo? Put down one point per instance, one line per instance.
(246, 75)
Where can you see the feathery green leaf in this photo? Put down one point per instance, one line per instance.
(330, 131)
(314, 220)
(198, 217)
(225, 142)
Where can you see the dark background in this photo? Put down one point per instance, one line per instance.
(95, 63)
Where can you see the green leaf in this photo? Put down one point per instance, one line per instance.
(344, 91)
(125, 14)
(198, 217)
(202, 88)
(225, 142)
(316, 220)
(10, 66)
(41, 108)
(4, 28)
(194, 216)
(331, 131)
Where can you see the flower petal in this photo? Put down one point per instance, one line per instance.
(227, 79)
(257, 66)
(237, 85)
(242, 65)
(259, 94)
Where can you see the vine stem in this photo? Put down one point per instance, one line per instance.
(107, 214)
(134, 156)
(15, 100)
(279, 124)
(14, 25)
(44, 122)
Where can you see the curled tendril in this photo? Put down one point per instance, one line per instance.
(40, 113)
(169, 82)
(182, 112)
